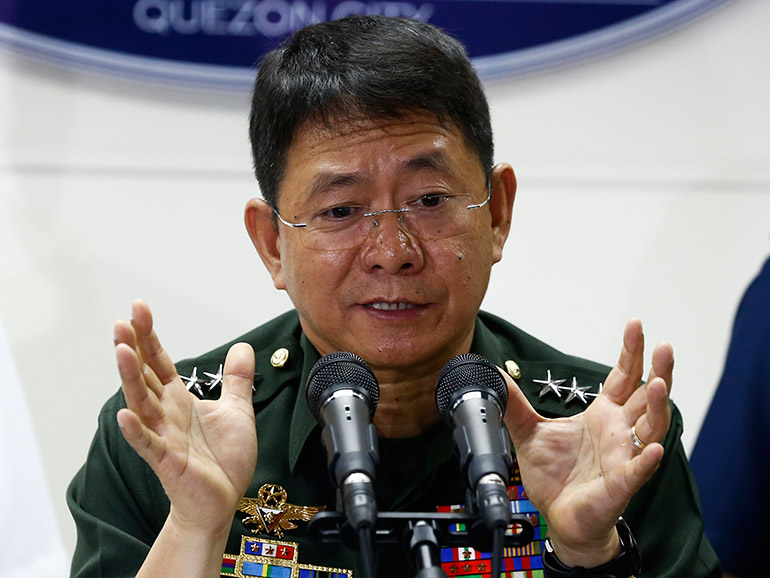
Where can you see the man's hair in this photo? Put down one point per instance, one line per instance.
(369, 67)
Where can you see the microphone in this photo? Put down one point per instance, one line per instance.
(342, 394)
(471, 395)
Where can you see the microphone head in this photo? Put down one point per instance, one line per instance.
(341, 368)
(469, 372)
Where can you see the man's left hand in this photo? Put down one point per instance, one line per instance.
(581, 471)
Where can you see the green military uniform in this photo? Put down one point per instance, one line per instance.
(119, 505)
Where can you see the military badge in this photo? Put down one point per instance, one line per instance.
(270, 513)
(573, 391)
(518, 562)
(260, 557)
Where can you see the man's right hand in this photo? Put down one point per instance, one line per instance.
(204, 452)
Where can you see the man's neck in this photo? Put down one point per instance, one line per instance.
(406, 408)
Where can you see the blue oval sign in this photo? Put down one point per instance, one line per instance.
(218, 42)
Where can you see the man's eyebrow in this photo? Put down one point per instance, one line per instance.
(435, 160)
(328, 182)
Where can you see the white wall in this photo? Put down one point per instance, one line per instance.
(644, 190)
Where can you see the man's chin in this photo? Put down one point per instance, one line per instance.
(413, 347)
(405, 356)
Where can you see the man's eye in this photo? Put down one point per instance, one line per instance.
(430, 201)
(337, 213)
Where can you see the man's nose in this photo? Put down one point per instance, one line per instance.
(390, 245)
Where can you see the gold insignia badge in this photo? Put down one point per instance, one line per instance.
(279, 357)
(513, 369)
(271, 514)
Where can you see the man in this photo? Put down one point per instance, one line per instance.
(730, 457)
(382, 217)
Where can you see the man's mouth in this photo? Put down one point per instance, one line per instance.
(382, 306)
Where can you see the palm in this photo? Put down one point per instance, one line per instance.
(573, 492)
(203, 452)
(210, 449)
(582, 471)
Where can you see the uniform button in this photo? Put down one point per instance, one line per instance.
(513, 369)
(279, 357)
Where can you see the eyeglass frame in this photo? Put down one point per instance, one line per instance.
(399, 212)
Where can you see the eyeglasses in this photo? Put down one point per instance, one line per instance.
(426, 217)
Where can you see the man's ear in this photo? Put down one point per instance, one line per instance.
(503, 184)
(258, 217)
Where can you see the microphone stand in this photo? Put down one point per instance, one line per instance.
(424, 549)
(422, 534)
(367, 551)
(495, 519)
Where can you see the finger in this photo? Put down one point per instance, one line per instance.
(640, 469)
(238, 375)
(663, 364)
(662, 368)
(140, 398)
(151, 381)
(145, 442)
(636, 405)
(124, 333)
(624, 378)
(520, 417)
(653, 424)
(151, 350)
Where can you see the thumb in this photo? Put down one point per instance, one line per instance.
(520, 417)
(239, 372)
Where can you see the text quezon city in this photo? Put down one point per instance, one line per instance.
(270, 18)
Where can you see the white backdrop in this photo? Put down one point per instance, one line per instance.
(644, 189)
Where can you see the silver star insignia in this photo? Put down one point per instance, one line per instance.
(595, 395)
(193, 381)
(550, 385)
(216, 378)
(577, 392)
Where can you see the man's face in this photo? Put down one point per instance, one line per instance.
(403, 304)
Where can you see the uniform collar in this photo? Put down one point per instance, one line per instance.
(280, 362)
(493, 339)
(303, 423)
(284, 357)
(486, 344)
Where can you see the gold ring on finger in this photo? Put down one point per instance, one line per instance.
(634, 438)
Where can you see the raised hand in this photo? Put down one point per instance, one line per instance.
(203, 452)
(582, 471)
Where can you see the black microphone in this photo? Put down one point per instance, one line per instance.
(342, 394)
(472, 396)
